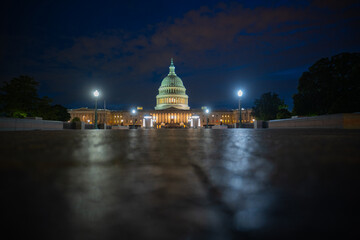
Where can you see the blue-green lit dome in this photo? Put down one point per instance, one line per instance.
(172, 92)
(172, 80)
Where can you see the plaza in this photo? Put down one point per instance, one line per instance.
(180, 184)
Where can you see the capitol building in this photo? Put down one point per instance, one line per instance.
(171, 110)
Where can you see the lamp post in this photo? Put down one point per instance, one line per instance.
(104, 115)
(207, 117)
(240, 93)
(96, 94)
(133, 114)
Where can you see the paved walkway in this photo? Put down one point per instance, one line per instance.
(180, 184)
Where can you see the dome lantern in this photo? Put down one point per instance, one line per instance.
(172, 68)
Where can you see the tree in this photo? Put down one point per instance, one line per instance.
(270, 106)
(60, 113)
(283, 113)
(75, 119)
(330, 86)
(19, 99)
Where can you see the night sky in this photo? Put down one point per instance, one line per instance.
(124, 48)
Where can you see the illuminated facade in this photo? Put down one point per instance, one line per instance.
(162, 118)
(171, 110)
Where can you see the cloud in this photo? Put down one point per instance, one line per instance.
(225, 29)
(255, 41)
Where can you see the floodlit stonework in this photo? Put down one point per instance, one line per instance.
(161, 118)
(171, 110)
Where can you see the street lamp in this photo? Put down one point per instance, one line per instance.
(133, 114)
(96, 94)
(207, 117)
(240, 93)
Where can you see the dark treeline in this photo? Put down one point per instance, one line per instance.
(331, 85)
(270, 106)
(19, 98)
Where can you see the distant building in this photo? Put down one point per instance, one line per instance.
(171, 109)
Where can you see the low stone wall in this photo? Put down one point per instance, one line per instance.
(219, 127)
(247, 125)
(17, 124)
(341, 121)
(75, 125)
(260, 124)
(117, 127)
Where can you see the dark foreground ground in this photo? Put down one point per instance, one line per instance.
(180, 184)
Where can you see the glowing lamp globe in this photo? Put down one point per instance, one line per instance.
(96, 93)
(240, 93)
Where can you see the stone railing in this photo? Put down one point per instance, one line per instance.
(341, 121)
(17, 124)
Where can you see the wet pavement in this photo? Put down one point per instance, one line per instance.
(180, 184)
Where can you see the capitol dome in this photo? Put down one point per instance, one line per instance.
(172, 93)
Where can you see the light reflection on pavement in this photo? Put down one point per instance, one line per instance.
(180, 184)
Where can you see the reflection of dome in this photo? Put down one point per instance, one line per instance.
(172, 92)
